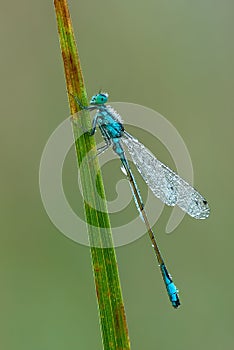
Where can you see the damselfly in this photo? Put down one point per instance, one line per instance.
(164, 183)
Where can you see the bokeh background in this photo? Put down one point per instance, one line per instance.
(175, 57)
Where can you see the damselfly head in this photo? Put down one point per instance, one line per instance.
(99, 99)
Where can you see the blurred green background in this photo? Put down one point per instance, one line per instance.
(175, 57)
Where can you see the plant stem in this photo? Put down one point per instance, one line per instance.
(108, 290)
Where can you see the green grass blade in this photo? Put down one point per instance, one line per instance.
(108, 290)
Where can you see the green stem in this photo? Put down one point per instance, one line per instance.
(108, 290)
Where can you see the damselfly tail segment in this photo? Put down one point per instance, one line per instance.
(170, 286)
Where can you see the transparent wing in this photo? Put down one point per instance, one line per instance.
(164, 183)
